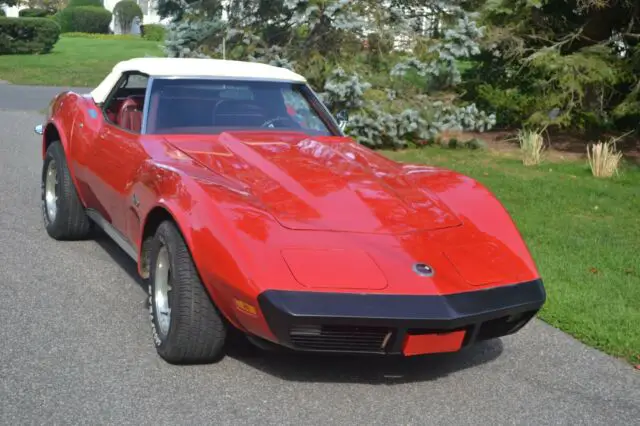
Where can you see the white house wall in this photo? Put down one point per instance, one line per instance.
(12, 12)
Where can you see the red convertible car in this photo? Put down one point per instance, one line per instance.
(249, 211)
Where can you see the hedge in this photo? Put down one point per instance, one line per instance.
(84, 19)
(78, 3)
(153, 32)
(28, 35)
(33, 13)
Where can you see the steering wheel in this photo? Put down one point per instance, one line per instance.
(270, 123)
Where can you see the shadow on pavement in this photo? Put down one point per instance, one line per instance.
(119, 256)
(299, 367)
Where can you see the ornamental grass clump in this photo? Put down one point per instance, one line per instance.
(531, 146)
(603, 158)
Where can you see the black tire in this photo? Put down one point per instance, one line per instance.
(197, 331)
(70, 221)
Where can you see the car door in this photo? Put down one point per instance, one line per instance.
(114, 157)
(117, 155)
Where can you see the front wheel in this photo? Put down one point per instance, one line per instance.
(187, 328)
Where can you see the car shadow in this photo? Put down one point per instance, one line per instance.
(378, 370)
(119, 256)
(310, 367)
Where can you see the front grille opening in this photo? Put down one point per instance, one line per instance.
(504, 325)
(341, 338)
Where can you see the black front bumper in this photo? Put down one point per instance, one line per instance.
(378, 323)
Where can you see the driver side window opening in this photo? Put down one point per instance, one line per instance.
(124, 106)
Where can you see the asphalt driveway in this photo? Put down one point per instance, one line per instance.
(76, 346)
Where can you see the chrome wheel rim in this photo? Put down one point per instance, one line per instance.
(161, 291)
(50, 187)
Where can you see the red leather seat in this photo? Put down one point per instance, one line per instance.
(130, 115)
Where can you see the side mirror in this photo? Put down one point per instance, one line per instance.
(343, 119)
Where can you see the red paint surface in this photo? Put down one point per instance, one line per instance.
(357, 269)
(242, 199)
(432, 343)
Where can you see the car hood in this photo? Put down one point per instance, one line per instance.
(320, 183)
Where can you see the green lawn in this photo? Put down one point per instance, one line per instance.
(74, 61)
(583, 232)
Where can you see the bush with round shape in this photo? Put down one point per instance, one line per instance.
(124, 12)
(33, 13)
(2, 12)
(85, 19)
(27, 35)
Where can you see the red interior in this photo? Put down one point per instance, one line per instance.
(127, 113)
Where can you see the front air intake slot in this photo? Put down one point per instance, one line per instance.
(338, 338)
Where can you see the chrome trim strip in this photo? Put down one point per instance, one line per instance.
(112, 232)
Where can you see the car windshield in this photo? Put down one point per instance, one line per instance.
(200, 106)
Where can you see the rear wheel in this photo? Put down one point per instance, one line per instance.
(63, 213)
(187, 328)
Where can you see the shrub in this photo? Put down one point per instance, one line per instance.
(153, 32)
(125, 11)
(33, 13)
(2, 12)
(28, 35)
(78, 3)
(84, 19)
(603, 159)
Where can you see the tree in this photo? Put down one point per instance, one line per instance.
(176, 8)
(570, 63)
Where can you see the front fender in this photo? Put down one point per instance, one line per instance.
(219, 254)
(478, 208)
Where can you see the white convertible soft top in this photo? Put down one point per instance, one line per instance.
(192, 67)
